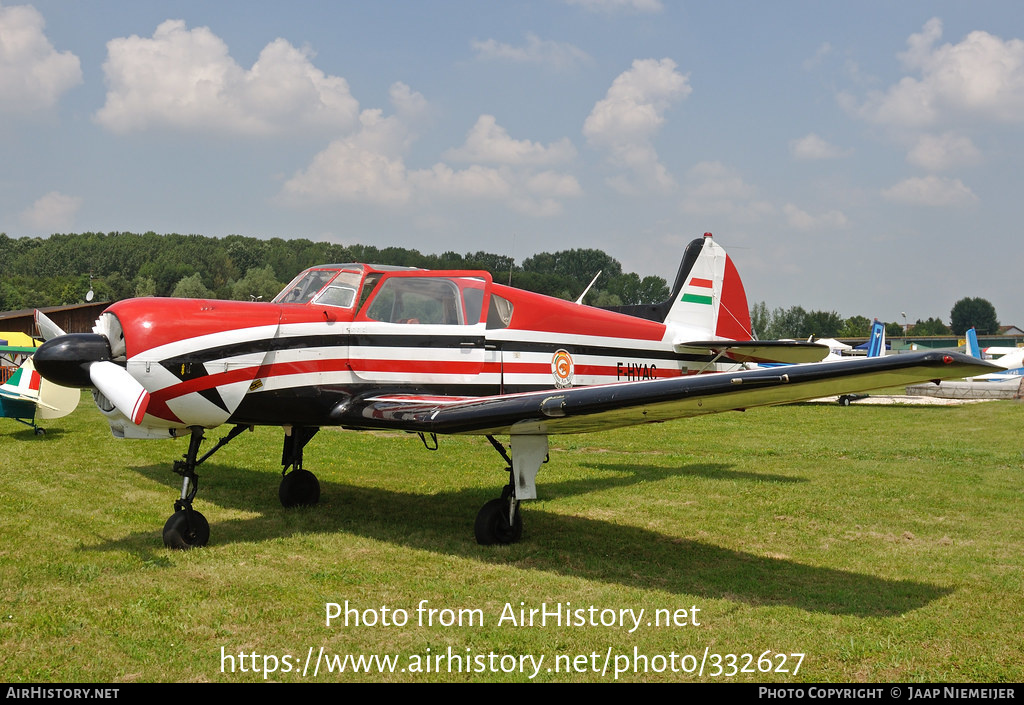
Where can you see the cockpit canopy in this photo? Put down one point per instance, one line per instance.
(406, 295)
(329, 287)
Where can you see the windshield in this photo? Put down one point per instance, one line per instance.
(311, 285)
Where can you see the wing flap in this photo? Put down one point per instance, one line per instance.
(601, 407)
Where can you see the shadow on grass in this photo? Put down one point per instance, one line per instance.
(711, 471)
(27, 433)
(567, 545)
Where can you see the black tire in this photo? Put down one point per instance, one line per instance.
(40, 431)
(844, 401)
(183, 533)
(299, 488)
(492, 525)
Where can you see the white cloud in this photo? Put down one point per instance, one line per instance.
(33, 74)
(824, 50)
(626, 120)
(981, 77)
(931, 191)
(552, 183)
(813, 147)
(802, 220)
(618, 5)
(490, 143)
(53, 212)
(711, 188)
(543, 52)
(185, 79)
(938, 152)
(368, 167)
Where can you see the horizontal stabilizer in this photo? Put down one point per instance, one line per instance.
(785, 351)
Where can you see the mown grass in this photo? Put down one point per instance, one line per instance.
(882, 542)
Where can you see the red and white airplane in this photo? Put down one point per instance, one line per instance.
(441, 352)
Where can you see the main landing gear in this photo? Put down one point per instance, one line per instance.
(499, 521)
(187, 528)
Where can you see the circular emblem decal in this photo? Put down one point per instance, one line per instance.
(562, 369)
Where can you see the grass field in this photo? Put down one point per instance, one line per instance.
(883, 543)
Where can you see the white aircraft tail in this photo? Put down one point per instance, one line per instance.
(52, 400)
(709, 300)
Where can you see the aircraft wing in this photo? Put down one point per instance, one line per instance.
(601, 407)
(785, 351)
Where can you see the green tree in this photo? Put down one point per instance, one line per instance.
(973, 312)
(894, 330)
(822, 324)
(191, 287)
(144, 286)
(258, 283)
(855, 327)
(933, 326)
(760, 319)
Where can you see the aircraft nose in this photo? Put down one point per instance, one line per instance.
(65, 360)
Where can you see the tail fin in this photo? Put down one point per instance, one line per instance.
(23, 384)
(876, 347)
(709, 300)
(973, 349)
(53, 400)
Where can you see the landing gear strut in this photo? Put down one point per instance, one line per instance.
(187, 528)
(499, 521)
(299, 488)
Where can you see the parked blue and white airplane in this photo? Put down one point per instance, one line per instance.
(1012, 359)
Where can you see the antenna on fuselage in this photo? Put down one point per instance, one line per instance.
(592, 281)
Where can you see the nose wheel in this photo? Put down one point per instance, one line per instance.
(186, 529)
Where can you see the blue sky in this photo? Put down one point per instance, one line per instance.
(858, 157)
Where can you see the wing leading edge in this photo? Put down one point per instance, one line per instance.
(587, 409)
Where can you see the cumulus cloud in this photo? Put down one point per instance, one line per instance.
(981, 77)
(802, 220)
(542, 52)
(33, 74)
(489, 142)
(618, 5)
(53, 212)
(625, 122)
(938, 152)
(823, 51)
(712, 188)
(186, 79)
(931, 191)
(812, 147)
(369, 167)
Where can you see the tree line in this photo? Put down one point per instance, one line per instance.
(60, 269)
(797, 323)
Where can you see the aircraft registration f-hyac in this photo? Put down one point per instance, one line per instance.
(441, 352)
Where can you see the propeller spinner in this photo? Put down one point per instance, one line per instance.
(84, 360)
